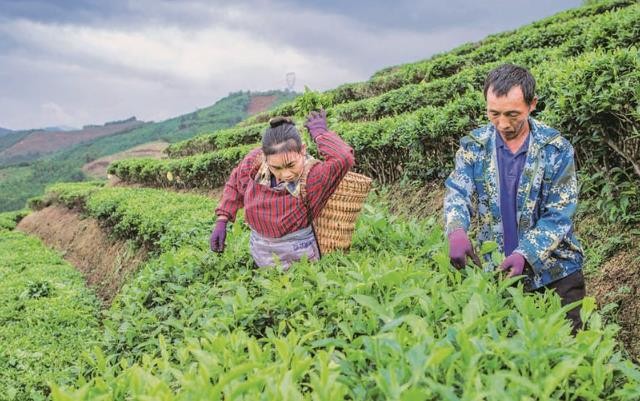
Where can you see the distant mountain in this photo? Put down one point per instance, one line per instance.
(10, 138)
(226, 112)
(41, 142)
(4, 131)
(60, 128)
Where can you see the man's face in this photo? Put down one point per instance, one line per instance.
(287, 166)
(509, 113)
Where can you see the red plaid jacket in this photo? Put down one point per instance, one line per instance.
(274, 213)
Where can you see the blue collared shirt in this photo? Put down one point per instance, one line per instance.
(510, 166)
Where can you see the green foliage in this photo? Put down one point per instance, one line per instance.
(310, 101)
(600, 238)
(594, 99)
(9, 220)
(36, 203)
(23, 183)
(415, 146)
(72, 195)
(209, 170)
(241, 135)
(46, 316)
(8, 140)
(36, 289)
(601, 97)
(391, 320)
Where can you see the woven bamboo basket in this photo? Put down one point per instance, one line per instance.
(336, 222)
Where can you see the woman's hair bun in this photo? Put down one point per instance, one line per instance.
(278, 121)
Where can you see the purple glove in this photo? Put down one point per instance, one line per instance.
(460, 248)
(219, 234)
(515, 263)
(316, 123)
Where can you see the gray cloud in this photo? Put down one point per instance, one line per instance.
(89, 61)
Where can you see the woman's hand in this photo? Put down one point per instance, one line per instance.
(316, 123)
(218, 236)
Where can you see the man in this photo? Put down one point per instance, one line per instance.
(523, 175)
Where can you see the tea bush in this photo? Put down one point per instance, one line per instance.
(390, 320)
(9, 220)
(46, 316)
(209, 170)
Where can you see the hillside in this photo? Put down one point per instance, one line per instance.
(4, 131)
(67, 165)
(38, 143)
(97, 169)
(391, 319)
(11, 138)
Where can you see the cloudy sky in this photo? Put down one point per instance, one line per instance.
(77, 62)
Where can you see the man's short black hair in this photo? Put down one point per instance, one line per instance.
(502, 78)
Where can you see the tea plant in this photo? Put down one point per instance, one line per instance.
(390, 320)
(9, 220)
(46, 316)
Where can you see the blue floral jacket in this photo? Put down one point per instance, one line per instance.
(546, 200)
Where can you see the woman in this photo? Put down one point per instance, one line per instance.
(267, 184)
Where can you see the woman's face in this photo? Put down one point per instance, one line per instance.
(287, 166)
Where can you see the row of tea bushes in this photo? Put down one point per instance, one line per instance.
(612, 30)
(389, 320)
(46, 316)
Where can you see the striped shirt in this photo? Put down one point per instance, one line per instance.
(273, 213)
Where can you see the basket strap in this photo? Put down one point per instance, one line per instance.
(305, 198)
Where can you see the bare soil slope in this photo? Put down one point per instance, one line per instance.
(104, 262)
(42, 142)
(259, 104)
(618, 281)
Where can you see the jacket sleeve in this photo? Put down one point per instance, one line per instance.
(460, 187)
(324, 177)
(556, 214)
(233, 195)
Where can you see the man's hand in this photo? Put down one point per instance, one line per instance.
(460, 248)
(514, 263)
(218, 236)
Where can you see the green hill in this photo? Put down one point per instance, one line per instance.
(67, 165)
(405, 122)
